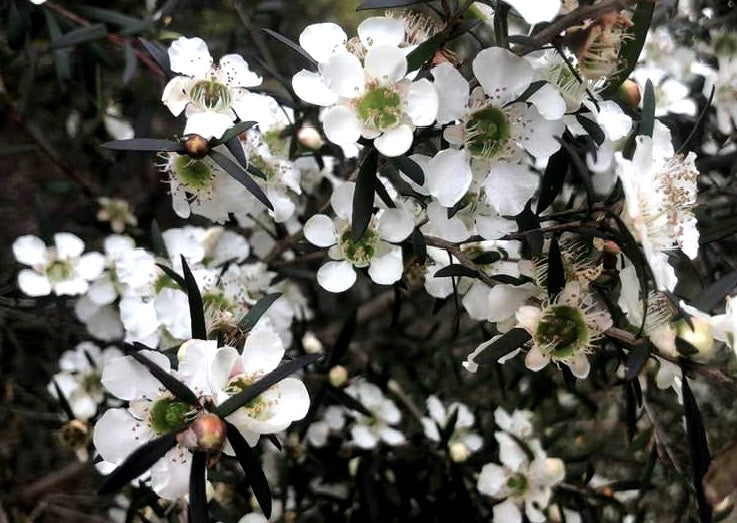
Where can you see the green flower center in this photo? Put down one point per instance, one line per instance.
(91, 383)
(380, 108)
(211, 94)
(168, 414)
(195, 175)
(360, 252)
(562, 331)
(60, 270)
(517, 484)
(257, 405)
(216, 301)
(487, 132)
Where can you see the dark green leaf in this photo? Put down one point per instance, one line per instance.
(636, 360)
(716, 292)
(556, 273)
(382, 193)
(509, 341)
(583, 172)
(63, 402)
(249, 320)
(630, 51)
(157, 241)
(697, 125)
(145, 144)
(487, 258)
(631, 409)
(423, 52)
(699, 448)
(252, 467)
(197, 488)
(171, 273)
(410, 168)
(344, 339)
(131, 63)
(138, 462)
(236, 149)
(16, 27)
(45, 227)
(172, 384)
(685, 348)
(647, 120)
(79, 36)
(592, 128)
(255, 171)
(129, 24)
(533, 242)
(447, 431)
(237, 172)
(363, 197)
(387, 4)
(159, 55)
(419, 245)
(553, 178)
(274, 441)
(311, 62)
(196, 307)
(233, 132)
(456, 270)
(62, 59)
(238, 400)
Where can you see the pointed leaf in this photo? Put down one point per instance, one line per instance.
(79, 36)
(233, 132)
(583, 172)
(16, 27)
(456, 270)
(240, 174)
(636, 360)
(419, 246)
(697, 125)
(716, 292)
(145, 144)
(172, 384)
(409, 167)
(139, 461)
(196, 307)
(487, 258)
(447, 432)
(508, 342)
(363, 197)
(699, 448)
(274, 441)
(171, 273)
(344, 339)
(250, 319)
(553, 178)
(159, 55)
(533, 242)
(345, 399)
(129, 24)
(311, 62)
(647, 120)
(63, 402)
(197, 488)
(252, 467)
(592, 128)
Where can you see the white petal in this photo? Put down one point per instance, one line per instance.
(507, 512)
(385, 64)
(387, 268)
(33, 283)
(536, 11)
(395, 142)
(542, 133)
(262, 352)
(223, 365)
(580, 366)
(509, 187)
(550, 104)
(391, 436)
(30, 250)
(536, 360)
(102, 291)
(71, 287)
(343, 74)
(341, 125)
(504, 300)
(68, 245)
(342, 200)
(190, 56)
(117, 434)
(476, 301)
(381, 30)
(422, 102)
(395, 224)
(235, 72)
(336, 276)
(493, 226)
(491, 480)
(129, 380)
(320, 230)
(614, 122)
(452, 229)
(208, 124)
(448, 176)
(90, 266)
(452, 90)
(502, 74)
(176, 94)
(310, 87)
(294, 401)
(321, 41)
(170, 475)
(510, 453)
(363, 437)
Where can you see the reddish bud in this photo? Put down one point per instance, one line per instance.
(196, 146)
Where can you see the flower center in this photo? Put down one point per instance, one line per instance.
(211, 94)
(257, 405)
(360, 252)
(380, 108)
(195, 175)
(517, 484)
(168, 414)
(60, 270)
(562, 331)
(487, 131)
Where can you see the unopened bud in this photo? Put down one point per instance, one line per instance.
(75, 434)
(338, 376)
(309, 137)
(196, 146)
(458, 452)
(630, 93)
(206, 433)
(311, 343)
(700, 337)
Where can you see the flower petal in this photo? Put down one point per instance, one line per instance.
(68, 245)
(336, 276)
(422, 102)
(262, 351)
(343, 74)
(320, 230)
(448, 176)
(33, 283)
(234, 70)
(129, 380)
(395, 142)
(509, 187)
(387, 268)
(453, 92)
(208, 124)
(322, 41)
(385, 64)
(190, 56)
(117, 434)
(30, 250)
(535, 359)
(502, 74)
(311, 88)
(536, 11)
(341, 125)
(395, 225)
(342, 200)
(381, 30)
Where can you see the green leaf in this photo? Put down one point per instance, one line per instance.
(129, 24)
(647, 120)
(553, 178)
(363, 197)
(252, 467)
(423, 52)
(410, 168)
(344, 339)
(636, 360)
(249, 320)
(241, 175)
(62, 59)
(699, 121)
(196, 307)
(592, 128)
(234, 131)
(456, 270)
(171, 273)
(80, 36)
(446, 432)
(388, 4)
(716, 292)
(197, 487)
(131, 63)
(486, 258)
(159, 55)
(698, 446)
(172, 384)
(509, 341)
(631, 49)
(157, 241)
(311, 62)
(556, 273)
(145, 145)
(419, 246)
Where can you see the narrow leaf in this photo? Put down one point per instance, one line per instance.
(419, 245)
(79, 36)
(138, 462)
(252, 467)
(233, 132)
(344, 339)
(508, 342)
(410, 168)
(197, 488)
(447, 432)
(553, 178)
(592, 128)
(238, 400)
(647, 120)
(363, 197)
(716, 292)
(240, 174)
(172, 384)
(697, 125)
(636, 360)
(423, 52)
(145, 144)
(196, 307)
(699, 448)
(16, 27)
(129, 24)
(487, 258)
(456, 270)
(274, 441)
(556, 272)
(171, 273)
(294, 47)
(583, 172)
(533, 242)
(63, 402)
(386, 4)
(159, 55)
(250, 319)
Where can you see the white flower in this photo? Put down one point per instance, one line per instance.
(318, 432)
(116, 211)
(564, 329)
(273, 410)
(660, 193)
(519, 424)
(368, 95)
(213, 96)
(522, 482)
(368, 431)
(723, 82)
(373, 249)
(61, 269)
(463, 441)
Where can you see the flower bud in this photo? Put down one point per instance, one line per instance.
(630, 93)
(196, 146)
(458, 452)
(310, 137)
(311, 343)
(75, 434)
(338, 376)
(206, 433)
